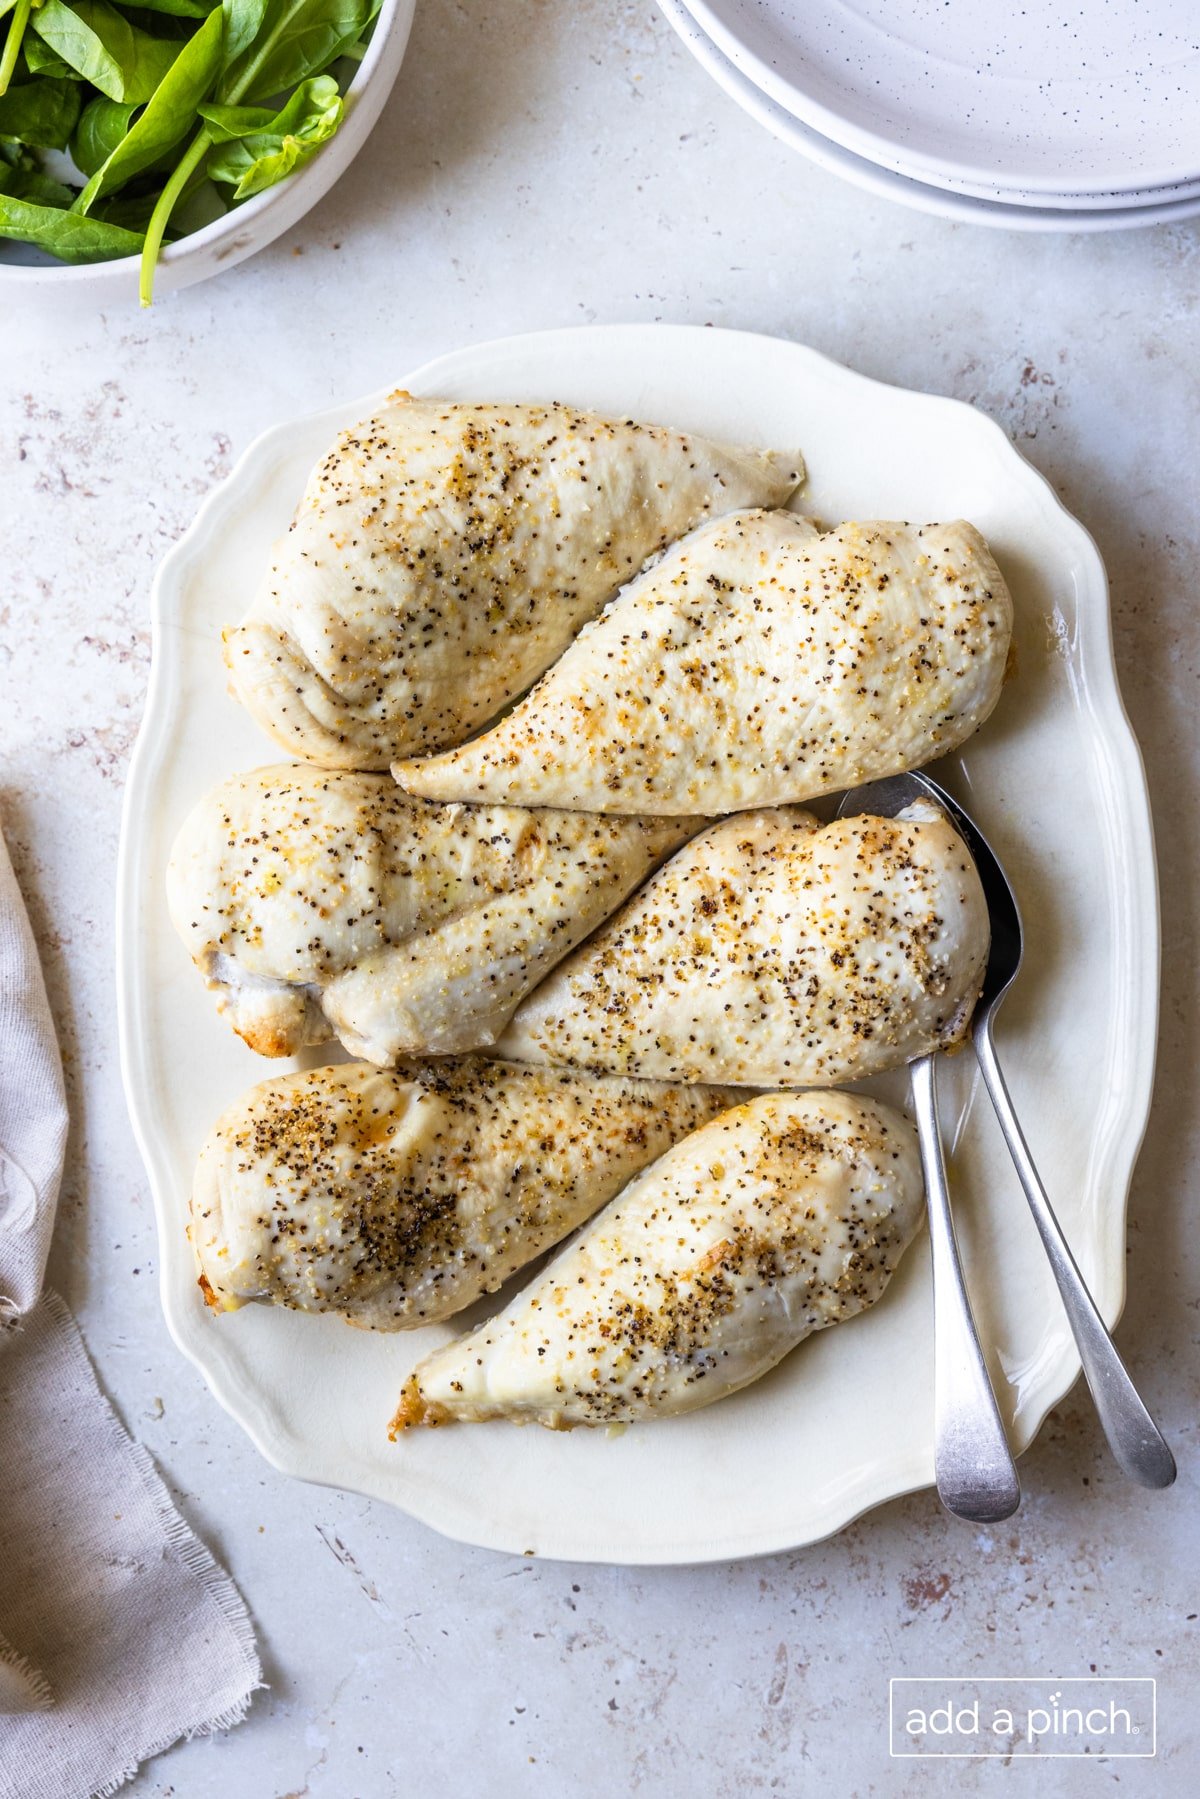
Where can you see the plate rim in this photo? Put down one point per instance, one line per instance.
(1136, 896)
(860, 139)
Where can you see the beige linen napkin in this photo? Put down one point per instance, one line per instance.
(119, 1633)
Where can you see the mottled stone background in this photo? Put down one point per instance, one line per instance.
(541, 164)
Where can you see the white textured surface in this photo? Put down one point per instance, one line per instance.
(540, 165)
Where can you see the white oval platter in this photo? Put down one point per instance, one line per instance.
(1056, 781)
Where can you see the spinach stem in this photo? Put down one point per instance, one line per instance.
(159, 218)
(12, 43)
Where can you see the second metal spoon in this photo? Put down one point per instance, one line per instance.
(1135, 1440)
(974, 1471)
(973, 1466)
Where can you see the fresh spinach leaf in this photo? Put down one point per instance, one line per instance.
(254, 163)
(33, 184)
(41, 112)
(11, 172)
(102, 125)
(256, 159)
(201, 204)
(170, 26)
(170, 113)
(311, 99)
(180, 9)
(243, 22)
(227, 122)
(42, 60)
(65, 234)
(133, 211)
(298, 38)
(123, 62)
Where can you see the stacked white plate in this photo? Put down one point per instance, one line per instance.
(1058, 115)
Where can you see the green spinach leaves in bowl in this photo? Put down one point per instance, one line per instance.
(122, 125)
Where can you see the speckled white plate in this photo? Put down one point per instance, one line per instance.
(1059, 97)
(947, 200)
(1056, 781)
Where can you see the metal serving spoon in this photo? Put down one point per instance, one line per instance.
(974, 1471)
(1135, 1440)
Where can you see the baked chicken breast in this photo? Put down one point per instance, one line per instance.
(781, 1217)
(759, 662)
(776, 952)
(443, 555)
(397, 1198)
(321, 903)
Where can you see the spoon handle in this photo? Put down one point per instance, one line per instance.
(1134, 1438)
(973, 1465)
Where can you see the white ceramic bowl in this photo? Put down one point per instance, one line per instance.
(248, 227)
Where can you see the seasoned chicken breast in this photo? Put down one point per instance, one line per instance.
(781, 1217)
(776, 952)
(321, 903)
(759, 662)
(397, 1198)
(443, 555)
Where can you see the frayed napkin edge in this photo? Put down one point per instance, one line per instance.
(218, 1586)
(40, 1691)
